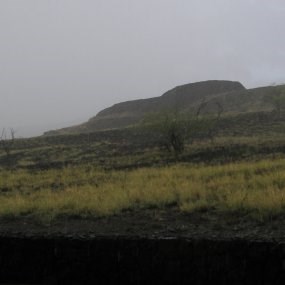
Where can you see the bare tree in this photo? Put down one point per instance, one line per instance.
(7, 141)
(276, 97)
(170, 127)
(176, 128)
(213, 123)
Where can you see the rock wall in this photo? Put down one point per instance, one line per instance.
(122, 260)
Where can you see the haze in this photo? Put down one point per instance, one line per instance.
(62, 61)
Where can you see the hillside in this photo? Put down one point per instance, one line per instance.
(232, 96)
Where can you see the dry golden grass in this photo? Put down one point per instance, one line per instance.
(254, 188)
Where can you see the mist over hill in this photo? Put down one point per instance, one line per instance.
(231, 95)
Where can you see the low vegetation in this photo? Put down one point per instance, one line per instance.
(256, 189)
(237, 169)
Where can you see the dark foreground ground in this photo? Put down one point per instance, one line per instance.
(144, 247)
(153, 223)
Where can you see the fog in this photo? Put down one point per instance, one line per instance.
(62, 61)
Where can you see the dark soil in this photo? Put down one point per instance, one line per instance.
(152, 223)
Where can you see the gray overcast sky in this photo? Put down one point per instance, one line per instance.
(62, 61)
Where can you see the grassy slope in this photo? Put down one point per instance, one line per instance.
(97, 174)
(253, 188)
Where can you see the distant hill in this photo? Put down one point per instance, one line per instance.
(232, 96)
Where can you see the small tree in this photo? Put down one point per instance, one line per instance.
(276, 98)
(176, 128)
(6, 142)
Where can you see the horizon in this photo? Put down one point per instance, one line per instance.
(74, 123)
(64, 61)
(78, 121)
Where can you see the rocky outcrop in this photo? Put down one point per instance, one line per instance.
(181, 97)
(131, 112)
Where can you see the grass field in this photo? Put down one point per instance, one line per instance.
(239, 173)
(255, 189)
